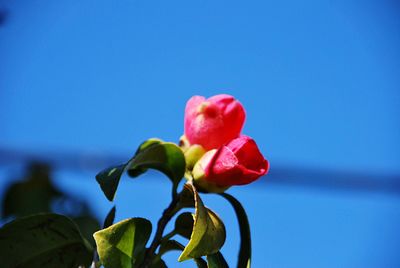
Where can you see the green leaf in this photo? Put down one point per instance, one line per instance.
(217, 260)
(43, 240)
(122, 245)
(244, 259)
(109, 220)
(208, 234)
(166, 157)
(184, 224)
(146, 144)
(109, 179)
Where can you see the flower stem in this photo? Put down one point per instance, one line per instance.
(168, 236)
(167, 215)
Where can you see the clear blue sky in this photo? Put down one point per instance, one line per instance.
(319, 80)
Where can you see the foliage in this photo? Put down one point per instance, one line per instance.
(204, 229)
(210, 165)
(43, 240)
(36, 193)
(123, 244)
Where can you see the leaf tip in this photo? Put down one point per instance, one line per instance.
(183, 257)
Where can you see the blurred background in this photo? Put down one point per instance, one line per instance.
(82, 83)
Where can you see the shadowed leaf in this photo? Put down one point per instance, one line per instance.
(109, 220)
(43, 240)
(109, 179)
(87, 226)
(184, 224)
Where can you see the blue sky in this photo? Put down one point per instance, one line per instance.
(319, 81)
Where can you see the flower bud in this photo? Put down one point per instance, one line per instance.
(213, 122)
(199, 175)
(237, 163)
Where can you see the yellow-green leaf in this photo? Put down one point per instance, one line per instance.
(208, 234)
(122, 245)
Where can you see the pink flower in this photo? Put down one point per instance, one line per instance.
(213, 122)
(236, 163)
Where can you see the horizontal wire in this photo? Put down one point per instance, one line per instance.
(332, 180)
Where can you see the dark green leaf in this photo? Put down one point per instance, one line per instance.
(165, 157)
(216, 260)
(122, 245)
(87, 226)
(208, 234)
(43, 240)
(184, 224)
(244, 259)
(109, 179)
(109, 220)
